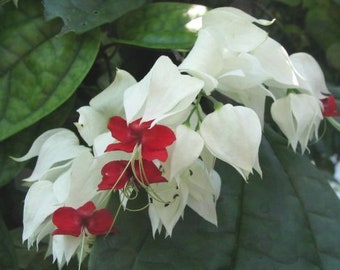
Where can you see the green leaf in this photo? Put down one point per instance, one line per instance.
(80, 16)
(8, 258)
(18, 144)
(289, 219)
(39, 70)
(160, 26)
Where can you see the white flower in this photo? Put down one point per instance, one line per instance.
(93, 119)
(65, 174)
(162, 93)
(309, 74)
(56, 146)
(298, 116)
(183, 152)
(196, 187)
(233, 134)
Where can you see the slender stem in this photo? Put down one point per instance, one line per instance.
(334, 123)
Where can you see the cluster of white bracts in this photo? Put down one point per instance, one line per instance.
(231, 55)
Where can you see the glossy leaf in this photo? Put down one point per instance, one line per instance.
(8, 258)
(80, 16)
(39, 70)
(160, 26)
(287, 220)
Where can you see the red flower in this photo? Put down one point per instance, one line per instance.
(117, 174)
(153, 140)
(330, 107)
(70, 221)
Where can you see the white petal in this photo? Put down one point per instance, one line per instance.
(38, 143)
(110, 101)
(240, 36)
(275, 60)
(205, 60)
(253, 98)
(64, 247)
(183, 152)
(309, 74)
(171, 208)
(233, 134)
(86, 175)
(61, 186)
(101, 142)
(302, 122)
(282, 115)
(224, 15)
(160, 92)
(307, 114)
(39, 204)
(202, 197)
(252, 72)
(168, 88)
(135, 97)
(61, 146)
(90, 124)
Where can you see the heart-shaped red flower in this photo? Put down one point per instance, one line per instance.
(70, 221)
(153, 140)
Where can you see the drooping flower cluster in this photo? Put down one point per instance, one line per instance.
(153, 135)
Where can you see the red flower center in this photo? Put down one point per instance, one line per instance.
(70, 221)
(153, 140)
(118, 174)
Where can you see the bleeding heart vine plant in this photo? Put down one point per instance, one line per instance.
(157, 139)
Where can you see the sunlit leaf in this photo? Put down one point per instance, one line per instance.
(82, 15)
(161, 26)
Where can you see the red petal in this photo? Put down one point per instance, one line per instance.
(330, 107)
(149, 173)
(100, 222)
(67, 220)
(138, 127)
(86, 210)
(155, 141)
(112, 172)
(158, 137)
(151, 154)
(119, 129)
(126, 147)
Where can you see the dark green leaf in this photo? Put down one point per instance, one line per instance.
(82, 15)
(160, 26)
(290, 2)
(289, 219)
(8, 260)
(39, 70)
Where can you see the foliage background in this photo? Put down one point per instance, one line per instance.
(56, 56)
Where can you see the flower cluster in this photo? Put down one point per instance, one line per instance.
(153, 136)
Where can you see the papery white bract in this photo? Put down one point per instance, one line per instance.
(183, 153)
(309, 74)
(233, 134)
(162, 93)
(93, 119)
(66, 175)
(196, 187)
(54, 146)
(298, 116)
